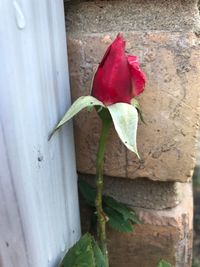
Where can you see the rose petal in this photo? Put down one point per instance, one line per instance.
(137, 75)
(105, 56)
(112, 80)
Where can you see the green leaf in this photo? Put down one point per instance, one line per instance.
(98, 255)
(125, 118)
(124, 210)
(85, 253)
(88, 192)
(163, 263)
(81, 254)
(136, 104)
(81, 103)
(121, 212)
(117, 222)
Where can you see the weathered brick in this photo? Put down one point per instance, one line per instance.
(97, 16)
(170, 105)
(165, 37)
(141, 193)
(164, 234)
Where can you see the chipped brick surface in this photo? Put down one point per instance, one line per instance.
(142, 193)
(97, 16)
(165, 234)
(170, 105)
(165, 37)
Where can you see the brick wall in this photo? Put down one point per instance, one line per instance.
(165, 37)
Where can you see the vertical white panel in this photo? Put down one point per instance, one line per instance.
(39, 215)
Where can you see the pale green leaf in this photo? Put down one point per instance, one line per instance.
(81, 103)
(163, 263)
(125, 119)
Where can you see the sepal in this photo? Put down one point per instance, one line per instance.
(81, 103)
(125, 119)
(136, 104)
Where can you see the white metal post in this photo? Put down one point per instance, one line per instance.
(39, 215)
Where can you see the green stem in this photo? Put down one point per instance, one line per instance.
(101, 217)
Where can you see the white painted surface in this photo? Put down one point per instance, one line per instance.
(39, 216)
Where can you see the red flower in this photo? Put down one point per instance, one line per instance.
(118, 77)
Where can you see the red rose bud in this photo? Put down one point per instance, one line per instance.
(118, 77)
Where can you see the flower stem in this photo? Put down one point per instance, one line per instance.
(101, 217)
